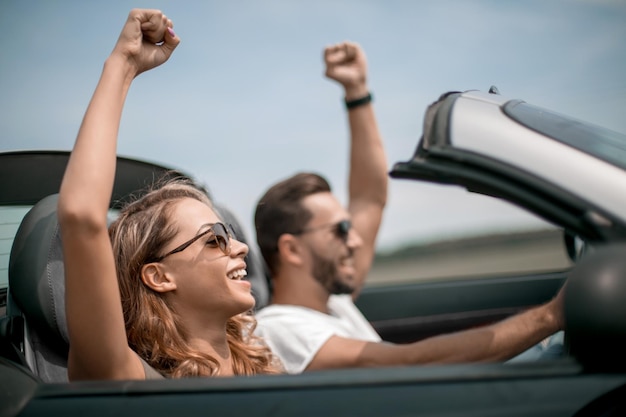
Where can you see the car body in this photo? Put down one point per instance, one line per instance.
(570, 173)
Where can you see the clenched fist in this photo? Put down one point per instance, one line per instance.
(346, 64)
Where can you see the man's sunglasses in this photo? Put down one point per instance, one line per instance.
(222, 234)
(341, 229)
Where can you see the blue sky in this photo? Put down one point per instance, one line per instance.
(243, 102)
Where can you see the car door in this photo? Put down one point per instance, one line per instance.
(470, 141)
(452, 284)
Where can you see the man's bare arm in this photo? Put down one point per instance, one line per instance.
(346, 63)
(497, 342)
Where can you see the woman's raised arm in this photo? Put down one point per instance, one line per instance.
(98, 344)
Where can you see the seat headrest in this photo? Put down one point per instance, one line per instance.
(36, 274)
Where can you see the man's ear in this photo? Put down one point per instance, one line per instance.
(154, 276)
(290, 249)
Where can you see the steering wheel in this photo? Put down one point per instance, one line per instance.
(595, 309)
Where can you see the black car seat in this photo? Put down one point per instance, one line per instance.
(35, 299)
(36, 293)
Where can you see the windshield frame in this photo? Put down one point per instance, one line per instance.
(600, 142)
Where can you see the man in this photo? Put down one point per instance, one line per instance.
(319, 253)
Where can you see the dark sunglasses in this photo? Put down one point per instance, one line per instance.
(341, 229)
(222, 234)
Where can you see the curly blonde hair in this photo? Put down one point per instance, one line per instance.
(155, 331)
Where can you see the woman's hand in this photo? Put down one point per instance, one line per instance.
(147, 39)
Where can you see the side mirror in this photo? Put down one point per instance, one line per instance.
(574, 245)
(595, 309)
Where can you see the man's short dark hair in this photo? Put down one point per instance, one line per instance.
(280, 211)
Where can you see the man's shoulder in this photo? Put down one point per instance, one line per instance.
(280, 311)
(340, 299)
(340, 303)
(283, 320)
(271, 310)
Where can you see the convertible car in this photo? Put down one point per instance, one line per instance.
(567, 172)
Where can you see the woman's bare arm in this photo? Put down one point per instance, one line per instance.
(98, 343)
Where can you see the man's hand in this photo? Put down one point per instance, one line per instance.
(147, 39)
(346, 64)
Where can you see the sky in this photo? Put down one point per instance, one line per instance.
(243, 101)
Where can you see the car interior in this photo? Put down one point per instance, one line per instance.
(34, 341)
(34, 333)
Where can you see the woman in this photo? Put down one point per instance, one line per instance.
(161, 293)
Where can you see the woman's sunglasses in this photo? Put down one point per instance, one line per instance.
(341, 229)
(222, 234)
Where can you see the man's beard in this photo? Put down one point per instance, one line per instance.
(325, 272)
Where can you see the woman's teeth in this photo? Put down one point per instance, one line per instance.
(238, 274)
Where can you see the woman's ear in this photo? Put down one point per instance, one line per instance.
(154, 276)
(290, 250)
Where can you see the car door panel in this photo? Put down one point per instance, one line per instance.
(409, 312)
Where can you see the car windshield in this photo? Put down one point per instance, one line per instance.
(600, 142)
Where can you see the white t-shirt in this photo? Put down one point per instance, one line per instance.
(296, 333)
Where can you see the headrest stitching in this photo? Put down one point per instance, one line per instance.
(49, 274)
